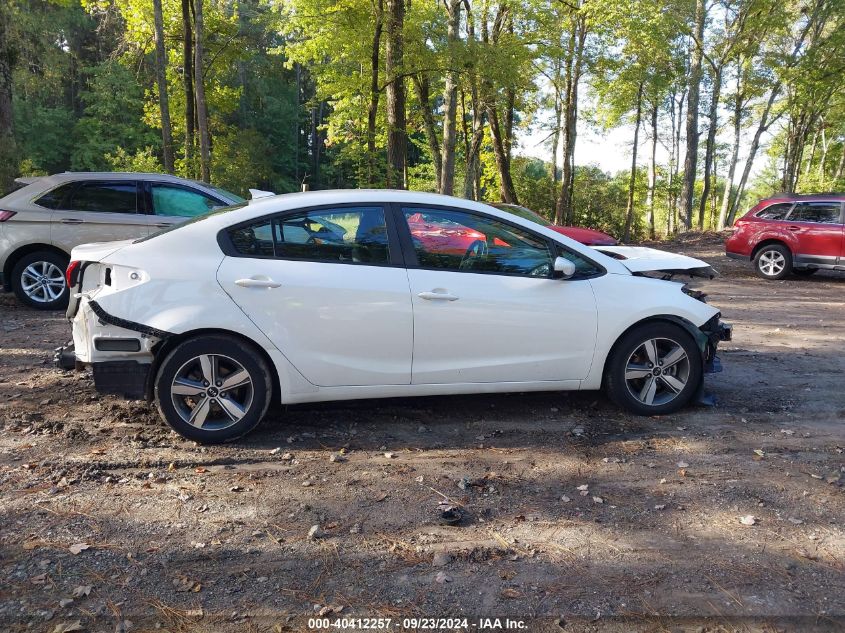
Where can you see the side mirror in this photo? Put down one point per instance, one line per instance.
(564, 269)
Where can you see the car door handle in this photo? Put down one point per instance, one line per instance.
(162, 225)
(794, 228)
(437, 296)
(72, 221)
(258, 283)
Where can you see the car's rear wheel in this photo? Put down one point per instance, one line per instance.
(805, 272)
(655, 368)
(773, 262)
(213, 389)
(38, 280)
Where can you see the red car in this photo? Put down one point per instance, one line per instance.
(590, 237)
(791, 233)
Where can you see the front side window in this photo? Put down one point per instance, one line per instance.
(775, 211)
(460, 241)
(819, 212)
(181, 202)
(349, 235)
(104, 197)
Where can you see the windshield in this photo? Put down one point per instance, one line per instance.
(193, 220)
(522, 212)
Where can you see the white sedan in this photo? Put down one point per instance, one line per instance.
(366, 294)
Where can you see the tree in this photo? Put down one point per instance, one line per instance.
(397, 140)
(199, 92)
(691, 159)
(161, 74)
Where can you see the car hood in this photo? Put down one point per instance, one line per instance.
(641, 259)
(96, 251)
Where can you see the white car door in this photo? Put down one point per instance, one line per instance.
(486, 305)
(330, 289)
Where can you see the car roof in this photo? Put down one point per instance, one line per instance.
(786, 197)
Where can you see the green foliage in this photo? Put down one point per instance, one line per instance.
(112, 119)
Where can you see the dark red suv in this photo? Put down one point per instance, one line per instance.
(791, 233)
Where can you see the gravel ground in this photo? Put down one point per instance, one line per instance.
(586, 518)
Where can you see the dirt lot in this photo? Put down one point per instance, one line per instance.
(591, 518)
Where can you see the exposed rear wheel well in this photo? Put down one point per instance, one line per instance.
(162, 349)
(661, 318)
(770, 242)
(23, 251)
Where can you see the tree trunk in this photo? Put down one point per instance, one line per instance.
(556, 135)
(691, 159)
(710, 148)
(422, 85)
(729, 182)
(161, 80)
(188, 81)
(652, 174)
(632, 182)
(8, 152)
(372, 110)
(840, 169)
(199, 87)
(472, 176)
(397, 139)
(507, 192)
(446, 177)
(578, 35)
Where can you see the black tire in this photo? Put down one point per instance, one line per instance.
(631, 346)
(228, 354)
(804, 272)
(40, 297)
(773, 262)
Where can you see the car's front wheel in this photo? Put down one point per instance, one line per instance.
(38, 279)
(773, 262)
(213, 389)
(655, 368)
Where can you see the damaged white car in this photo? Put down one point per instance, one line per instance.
(366, 294)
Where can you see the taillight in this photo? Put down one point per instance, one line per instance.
(5, 215)
(70, 275)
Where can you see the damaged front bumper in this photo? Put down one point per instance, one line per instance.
(712, 333)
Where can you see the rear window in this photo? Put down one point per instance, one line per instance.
(193, 220)
(777, 211)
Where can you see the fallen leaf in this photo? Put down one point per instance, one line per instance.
(759, 452)
(67, 627)
(200, 470)
(748, 519)
(81, 590)
(511, 593)
(76, 548)
(598, 500)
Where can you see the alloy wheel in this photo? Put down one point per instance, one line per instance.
(43, 282)
(657, 371)
(771, 263)
(212, 392)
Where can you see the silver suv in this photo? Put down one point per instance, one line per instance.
(44, 219)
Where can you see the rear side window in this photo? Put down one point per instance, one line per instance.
(104, 197)
(776, 211)
(821, 212)
(53, 199)
(348, 235)
(254, 240)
